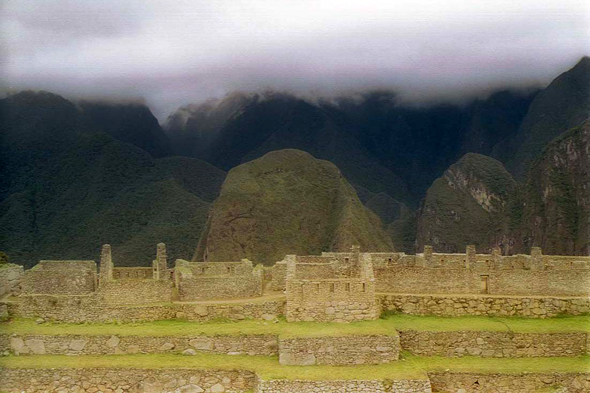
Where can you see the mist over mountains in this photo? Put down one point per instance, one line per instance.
(74, 175)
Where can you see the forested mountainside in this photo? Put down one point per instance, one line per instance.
(477, 201)
(66, 187)
(75, 175)
(287, 202)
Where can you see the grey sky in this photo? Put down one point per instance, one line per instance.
(175, 52)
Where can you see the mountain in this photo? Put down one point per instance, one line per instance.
(241, 128)
(287, 202)
(129, 122)
(66, 188)
(476, 201)
(379, 144)
(398, 219)
(471, 203)
(556, 216)
(418, 143)
(564, 104)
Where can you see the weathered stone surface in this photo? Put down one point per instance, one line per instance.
(494, 344)
(191, 389)
(344, 350)
(17, 345)
(37, 346)
(113, 341)
(77, 345)
(202, 344)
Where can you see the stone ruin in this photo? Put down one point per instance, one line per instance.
(332, 287)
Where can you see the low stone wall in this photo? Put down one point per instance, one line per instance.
(458, 305)
(279, 276)
(109, 380)
(343, 386)
(60, 278)
(506, 383)
(135, 291)
(334, 300)
(493, 344)
(10, 276)
(222, 287)
(344, 350)
(87, 308)
(254, 344)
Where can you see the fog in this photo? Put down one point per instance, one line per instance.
(171, 53)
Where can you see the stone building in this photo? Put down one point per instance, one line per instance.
(331, 288)
(217, 280)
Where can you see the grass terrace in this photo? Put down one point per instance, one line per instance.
(411, 367)
(387, 325)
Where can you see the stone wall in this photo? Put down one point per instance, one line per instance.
(60, 277)
(336, 300)
(137, 273)
(343, 386)
(459, 280)
(493, 344)
(87, 308)
(109, 380)
(10, 277)
(253, 344)
(279, 276)
(343, 350)
(217, 280)
(459, 305)
(135, 291)
(507, 383)
(345, 292)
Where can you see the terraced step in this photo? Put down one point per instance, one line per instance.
(307, 343)
(223, 373)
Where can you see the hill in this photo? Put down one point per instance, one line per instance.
(556, 216)
(66, 188)
(469, 204)
(564, 104)
(287, 202)
(477, 202)
(129, 122)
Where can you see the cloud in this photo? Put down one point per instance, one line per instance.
(175, 52)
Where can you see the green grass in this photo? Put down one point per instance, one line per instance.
(411, 367)
(385, 326)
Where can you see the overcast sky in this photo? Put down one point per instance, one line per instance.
(176, 52)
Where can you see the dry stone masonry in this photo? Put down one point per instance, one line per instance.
(344, 350)
(335, 288)
(338, 287)
(344, 386)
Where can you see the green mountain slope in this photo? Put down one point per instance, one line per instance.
(557, 212)
(469, 204)
(564, 104)
(129, 122)
(66, 189)
(477, 202)
(287, 202)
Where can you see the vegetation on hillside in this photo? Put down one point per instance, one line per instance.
(469, 204)
(287, 202)
(66, 189)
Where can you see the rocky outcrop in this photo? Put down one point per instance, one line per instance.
(470, 203)
(477, 202)
(556, 212)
